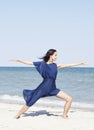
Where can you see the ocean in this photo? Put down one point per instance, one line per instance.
(78, 82)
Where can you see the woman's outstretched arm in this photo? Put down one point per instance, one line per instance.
(22, 61)
(70, 65)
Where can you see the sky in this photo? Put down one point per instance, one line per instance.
(29, 28)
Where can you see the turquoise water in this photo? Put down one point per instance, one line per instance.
(77, 82)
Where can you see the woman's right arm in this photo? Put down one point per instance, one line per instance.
(22, 61)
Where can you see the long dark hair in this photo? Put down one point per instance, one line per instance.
(48, 54)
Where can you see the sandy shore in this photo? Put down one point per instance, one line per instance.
(44, 118)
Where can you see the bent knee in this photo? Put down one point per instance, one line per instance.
(69, 99)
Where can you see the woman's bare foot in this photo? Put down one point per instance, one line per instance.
(65, 116)
(17, 117)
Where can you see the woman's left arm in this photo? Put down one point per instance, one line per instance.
(70, 65)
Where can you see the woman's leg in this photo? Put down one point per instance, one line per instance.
(23, 109)
(68, 100)
(36, 96)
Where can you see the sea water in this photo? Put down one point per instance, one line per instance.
(78, 82)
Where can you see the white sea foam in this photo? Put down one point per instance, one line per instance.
(45, 102)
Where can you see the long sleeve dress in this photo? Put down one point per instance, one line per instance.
(47, 87)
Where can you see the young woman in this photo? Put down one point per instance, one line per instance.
(48, 70)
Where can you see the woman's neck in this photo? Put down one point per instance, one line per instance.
(50, 61)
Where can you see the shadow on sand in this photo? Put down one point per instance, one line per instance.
(41, 112)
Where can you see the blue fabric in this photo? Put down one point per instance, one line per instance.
(47, 86)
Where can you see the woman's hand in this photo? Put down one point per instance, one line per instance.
(14, 60)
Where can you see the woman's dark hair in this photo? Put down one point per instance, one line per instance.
(48, 54)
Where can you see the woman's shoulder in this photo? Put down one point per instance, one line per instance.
(37, 62)
(55, 64)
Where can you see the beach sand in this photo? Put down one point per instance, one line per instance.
(44, 118)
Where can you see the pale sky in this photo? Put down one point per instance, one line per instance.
(28, 28)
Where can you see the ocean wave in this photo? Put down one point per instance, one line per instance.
(45, 102)
(11, 99)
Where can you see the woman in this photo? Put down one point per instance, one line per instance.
(48, 70)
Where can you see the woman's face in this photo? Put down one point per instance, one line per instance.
(54, 56)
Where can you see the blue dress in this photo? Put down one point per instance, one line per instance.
(47, 87)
